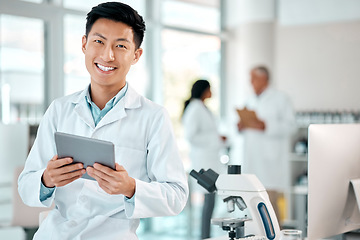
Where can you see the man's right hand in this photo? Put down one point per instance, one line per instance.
(60, 172)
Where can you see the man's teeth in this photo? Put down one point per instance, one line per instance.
(105, 69)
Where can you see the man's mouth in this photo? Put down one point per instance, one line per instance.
(104, 68)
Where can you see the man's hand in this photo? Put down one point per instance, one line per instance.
(256, 124)
(259, 125)
(59, 173)
(113, 181)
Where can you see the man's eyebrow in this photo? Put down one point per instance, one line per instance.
(100, 35)
(118, 40)
(123, 40)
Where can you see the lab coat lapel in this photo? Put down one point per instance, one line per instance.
(130, 100)
(82, 109)
(115, 114)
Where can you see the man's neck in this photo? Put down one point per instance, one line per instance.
(100, 95)
(263, 90)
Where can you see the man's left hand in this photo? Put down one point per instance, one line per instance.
(113, 181)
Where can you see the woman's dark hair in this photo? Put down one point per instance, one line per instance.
(118, 12)
(197, 90)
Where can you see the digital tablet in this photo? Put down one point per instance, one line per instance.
(85, 150)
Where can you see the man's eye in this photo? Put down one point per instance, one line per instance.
(98, 41)
(121, 46)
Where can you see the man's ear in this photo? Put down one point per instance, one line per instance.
(137, 55)
(84, 41)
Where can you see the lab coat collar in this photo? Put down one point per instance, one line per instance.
(265, 93)
(82, 108)
(131, 100)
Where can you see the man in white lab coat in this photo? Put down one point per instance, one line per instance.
(267, 138)
(149, 179)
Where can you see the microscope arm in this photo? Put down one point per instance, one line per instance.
(252, 193)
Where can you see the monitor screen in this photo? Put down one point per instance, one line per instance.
(334, 160)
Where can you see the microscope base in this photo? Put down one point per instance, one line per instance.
(225, 237)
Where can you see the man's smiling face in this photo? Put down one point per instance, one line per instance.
(109, 52)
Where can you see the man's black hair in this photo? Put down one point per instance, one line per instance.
(118, 12)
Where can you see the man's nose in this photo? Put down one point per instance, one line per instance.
(108, 54)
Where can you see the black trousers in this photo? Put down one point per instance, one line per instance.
(208, 208)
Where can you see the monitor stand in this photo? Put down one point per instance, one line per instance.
(356, 187)
(354, 235)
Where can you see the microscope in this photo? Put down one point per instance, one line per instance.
(246, 192)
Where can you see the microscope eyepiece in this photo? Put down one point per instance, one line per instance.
(234, 169)
(194, 174)
(206, 178)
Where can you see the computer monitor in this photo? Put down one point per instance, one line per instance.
(333, 161)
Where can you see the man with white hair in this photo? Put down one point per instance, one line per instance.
(267, 138)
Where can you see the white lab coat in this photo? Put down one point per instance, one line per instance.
(144, 144)
(200, 130)
(266, 152)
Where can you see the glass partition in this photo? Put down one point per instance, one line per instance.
(33, 1)
(86, 5)
(21, 69)
(76, 76)
(202, 17)
(186, 58)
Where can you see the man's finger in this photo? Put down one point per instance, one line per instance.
(75, 173)
(68, 176)
(99, 176)
(67, 181)
(72, 167)
(99, 172)
(59, 162)
(119, 167)
(104, 169)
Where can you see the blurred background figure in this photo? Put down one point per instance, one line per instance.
(267, 137)
(200, 130)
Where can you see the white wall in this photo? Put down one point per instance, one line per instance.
(311, 47)
(317, 53)
(305, 12)
(318, 65)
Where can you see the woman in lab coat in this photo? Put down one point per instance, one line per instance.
(201, 132)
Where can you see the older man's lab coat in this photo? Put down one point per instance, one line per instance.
(266, 152)
(144, 144)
